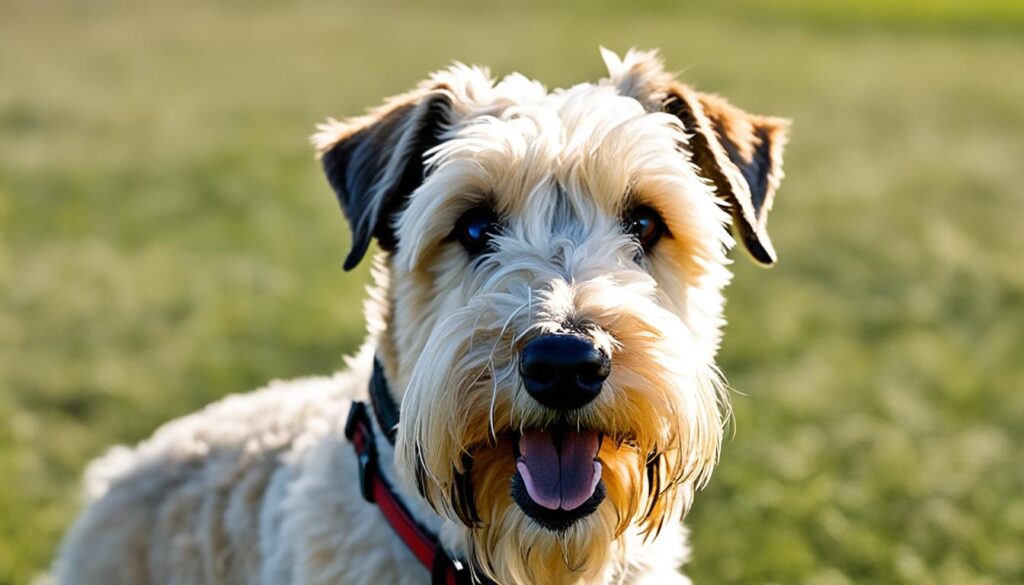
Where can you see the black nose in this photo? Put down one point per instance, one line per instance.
(563, 371)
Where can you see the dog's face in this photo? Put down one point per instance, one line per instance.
(551, 298)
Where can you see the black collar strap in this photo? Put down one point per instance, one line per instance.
(384, 407)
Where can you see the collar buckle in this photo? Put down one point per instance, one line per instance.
(451, 571)
(360, 433)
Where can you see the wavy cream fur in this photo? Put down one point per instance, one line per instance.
(261, 488)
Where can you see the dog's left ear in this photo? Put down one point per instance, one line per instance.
(740, 153)
(375, 162)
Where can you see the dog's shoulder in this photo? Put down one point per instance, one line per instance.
(201, 478)
(271, 422)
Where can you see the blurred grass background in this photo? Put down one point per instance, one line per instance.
(166, 238)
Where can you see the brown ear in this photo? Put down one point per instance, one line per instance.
(375, 162)
(740, 153)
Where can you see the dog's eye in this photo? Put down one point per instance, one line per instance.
(475, 229)
(646, 226)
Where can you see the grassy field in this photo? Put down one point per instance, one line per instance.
(166, 238)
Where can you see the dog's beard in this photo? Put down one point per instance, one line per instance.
(465, 410)
(512, 548)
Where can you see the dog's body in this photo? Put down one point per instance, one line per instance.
(547, 310)
(260, 489)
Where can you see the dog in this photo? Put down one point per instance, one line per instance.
(537, 401)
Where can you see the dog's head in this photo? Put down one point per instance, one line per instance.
(549, 297)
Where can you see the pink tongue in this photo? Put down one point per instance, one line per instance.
(562, 477)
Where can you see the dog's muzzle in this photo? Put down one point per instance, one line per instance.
(558, 473)
(563, 372)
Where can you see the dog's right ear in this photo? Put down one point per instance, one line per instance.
(376, 161)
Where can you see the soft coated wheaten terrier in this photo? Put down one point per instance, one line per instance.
(537, 401)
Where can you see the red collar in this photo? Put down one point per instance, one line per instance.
(375, 488)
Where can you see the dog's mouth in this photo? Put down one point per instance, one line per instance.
(558, 475)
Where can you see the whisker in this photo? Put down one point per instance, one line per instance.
(494, 376)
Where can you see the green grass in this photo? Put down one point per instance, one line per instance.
(166, 238)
